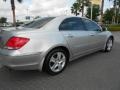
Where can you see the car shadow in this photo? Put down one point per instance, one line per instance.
(94, 54)
(21, 74)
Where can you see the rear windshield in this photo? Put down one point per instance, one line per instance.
(38, 23)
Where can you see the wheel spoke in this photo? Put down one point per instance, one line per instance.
(57, 62)
(53, 59)
(54, 66)
(59, 55)
(109, 45)
(63, 59)
(60, 67)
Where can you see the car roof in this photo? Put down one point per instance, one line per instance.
(53, 25)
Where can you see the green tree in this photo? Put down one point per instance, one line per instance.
(118, 12)
(3, 20)
(116, 2)
(95, 12)
(82, 4)
(79, 6)
(108, 15)
(116, 7)
(13, 9)
(75, 9)
(117, 15)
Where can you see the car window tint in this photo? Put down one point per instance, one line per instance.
(72, 24)
(90, 25)
(38, 23)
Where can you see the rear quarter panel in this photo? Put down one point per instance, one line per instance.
(41, 41)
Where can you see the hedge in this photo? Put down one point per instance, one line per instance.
(114, 27)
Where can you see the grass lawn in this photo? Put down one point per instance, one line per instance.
(114, 27)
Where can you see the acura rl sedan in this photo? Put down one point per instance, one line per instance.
(48, 44)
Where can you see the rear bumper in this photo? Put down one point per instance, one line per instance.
(26, 62)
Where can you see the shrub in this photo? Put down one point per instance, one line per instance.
(114, 27)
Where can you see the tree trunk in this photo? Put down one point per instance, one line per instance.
(13, 12)
(115, 11)
(82, 8)
(14, 18)
(118, 15)
(76, 12)
(102, 7)
(82, 11)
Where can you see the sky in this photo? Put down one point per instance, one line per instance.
(39, 8)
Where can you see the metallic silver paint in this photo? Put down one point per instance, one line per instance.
(43, 40)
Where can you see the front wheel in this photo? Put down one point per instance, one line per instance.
(55, 62)
(109, 45)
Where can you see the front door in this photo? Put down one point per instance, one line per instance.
(97, 36)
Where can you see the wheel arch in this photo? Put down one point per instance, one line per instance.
(56, 47)
(108, 37)
(111, 37)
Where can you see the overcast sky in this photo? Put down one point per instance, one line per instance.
(39, 8)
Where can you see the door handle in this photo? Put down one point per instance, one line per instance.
(69, 36)
(92, 34)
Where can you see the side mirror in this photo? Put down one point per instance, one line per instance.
(104, 29)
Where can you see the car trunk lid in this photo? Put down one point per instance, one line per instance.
(7, 33)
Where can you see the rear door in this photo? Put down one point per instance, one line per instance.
(76, 35)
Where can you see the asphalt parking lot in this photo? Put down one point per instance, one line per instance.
(98, 71)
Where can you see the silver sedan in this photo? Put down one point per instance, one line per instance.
(48, 44)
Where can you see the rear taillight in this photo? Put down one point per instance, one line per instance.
(16, 42)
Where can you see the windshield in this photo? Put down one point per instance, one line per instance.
(38, 23)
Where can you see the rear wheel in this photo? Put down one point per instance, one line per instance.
(109, 45)
(55, 62)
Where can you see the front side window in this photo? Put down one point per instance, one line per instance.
(72, 24)
(90, 25)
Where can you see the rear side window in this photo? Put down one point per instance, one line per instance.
(38, 23)
(71, 24)
(90, 25)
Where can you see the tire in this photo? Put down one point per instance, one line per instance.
(109, 45)
(56, 61)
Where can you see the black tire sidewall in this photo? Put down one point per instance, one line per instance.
(106, 48)
(46, 67)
